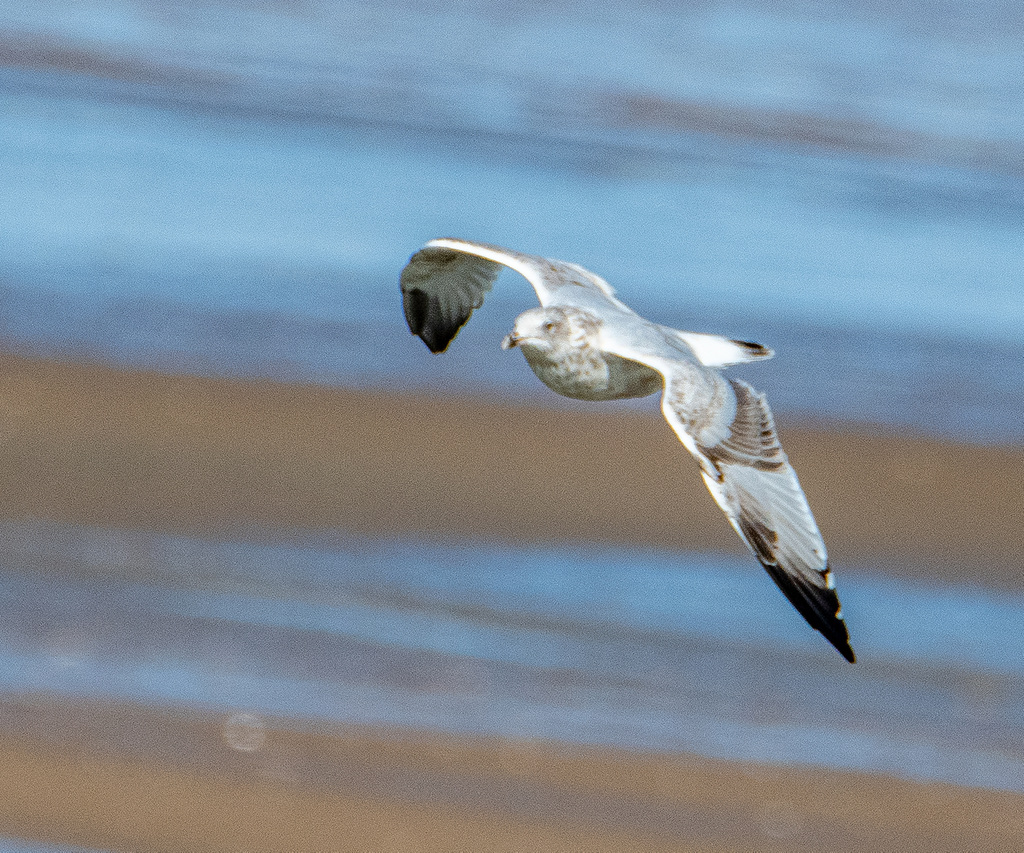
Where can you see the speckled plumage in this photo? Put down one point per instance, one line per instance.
(582, 342)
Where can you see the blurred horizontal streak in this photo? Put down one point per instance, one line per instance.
(219, 458)
(856, 135)
(605, 116)
(43, 53)
(130, 777)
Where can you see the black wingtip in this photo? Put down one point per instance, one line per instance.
(820, 607)
(755, 350)
(425, 319)
(842, 645)
(841, 642)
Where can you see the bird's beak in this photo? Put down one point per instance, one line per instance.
(510, 340)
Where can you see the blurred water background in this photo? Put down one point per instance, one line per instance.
(231, 189)
(642, 650)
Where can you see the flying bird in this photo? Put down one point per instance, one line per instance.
(582, 342)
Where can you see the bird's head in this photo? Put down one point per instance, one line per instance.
(538, 327)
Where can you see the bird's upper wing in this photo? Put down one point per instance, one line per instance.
(446, 279)
(729, 429)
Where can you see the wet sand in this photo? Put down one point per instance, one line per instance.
(96, 781)
(218, 458)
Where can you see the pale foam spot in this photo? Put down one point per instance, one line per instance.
(244, 732)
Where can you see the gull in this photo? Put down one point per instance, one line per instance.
(582, 342)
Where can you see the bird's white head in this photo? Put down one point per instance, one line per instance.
(542, 328)
(533, 328)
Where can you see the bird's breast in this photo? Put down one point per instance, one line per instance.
(586, 373)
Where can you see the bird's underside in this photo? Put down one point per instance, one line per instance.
(583, 342)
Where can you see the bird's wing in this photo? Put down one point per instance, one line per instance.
(447, 279)
(729, 429)
(749, 476)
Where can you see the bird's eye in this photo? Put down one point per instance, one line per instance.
(549, 325)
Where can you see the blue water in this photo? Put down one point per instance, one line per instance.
(643, 650)
(231, 189)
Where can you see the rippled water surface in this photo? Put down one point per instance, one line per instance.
(233, 189)
(669, 652)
